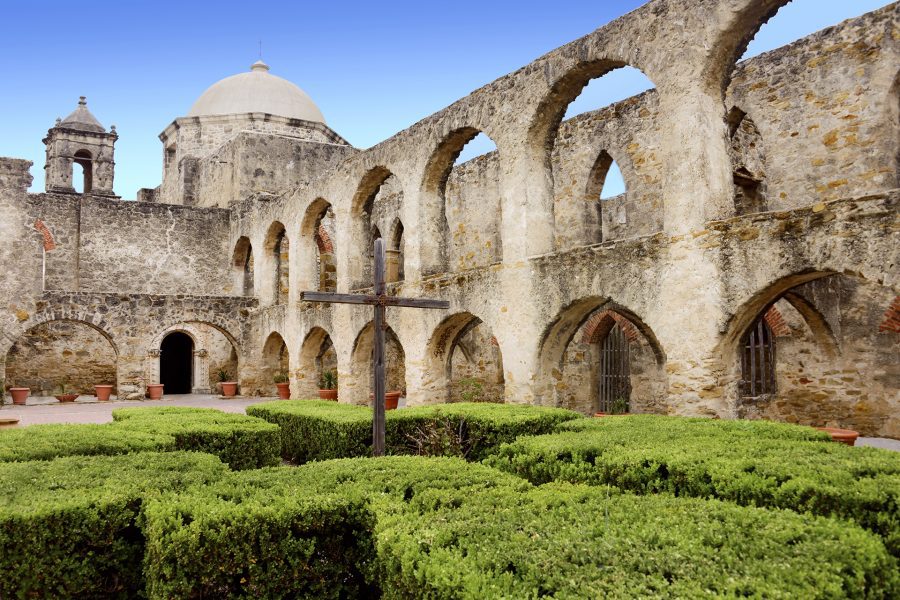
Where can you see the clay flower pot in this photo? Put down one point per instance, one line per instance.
(103, 392)
(599, 414)
(229, 388)
(390, 399)
(154, 391)
(66, 397)
(284, 390)
(328, 394)
(844, 436)
(19, 394)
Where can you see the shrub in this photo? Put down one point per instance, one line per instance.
(241, 441)
(321, 430)
(416, 527)
(69, 527)
(694, 459)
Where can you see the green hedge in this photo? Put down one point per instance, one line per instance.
(321, 430)
(240, 441)
(416, 527)
(69, 527)
(648, 456)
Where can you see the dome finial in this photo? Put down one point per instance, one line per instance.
(82, 100)
(259, 66)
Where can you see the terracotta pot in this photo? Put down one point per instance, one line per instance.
(103, 392)
(390, 399)
(19, 394)
(599, 414)
(154, 391)
(67, 397)
(229, 388)
(328, 394)
(844, 436)
(284, 390)
(8, 422)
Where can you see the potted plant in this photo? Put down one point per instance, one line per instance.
(154, 391)
(282, 382)
(103, 391)
(844, 436)
(229, 388)
(63, 395)
(328, 386)
(391, 399)
(19, 395)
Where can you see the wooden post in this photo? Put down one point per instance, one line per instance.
(379, 325)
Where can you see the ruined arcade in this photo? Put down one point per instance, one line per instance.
(750, 270)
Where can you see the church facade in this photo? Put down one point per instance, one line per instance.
(750, 270)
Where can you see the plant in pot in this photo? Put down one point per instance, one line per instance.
(64, 394)
(391, 399)
(229, 388)
(19, 394)
(282, 382)
(328, 386)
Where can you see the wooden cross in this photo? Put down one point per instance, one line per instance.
(379, 300)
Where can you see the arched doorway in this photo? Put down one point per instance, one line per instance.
(176, 360)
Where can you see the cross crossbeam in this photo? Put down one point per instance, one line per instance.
(379, 300)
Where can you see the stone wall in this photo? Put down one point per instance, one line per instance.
(472, 206)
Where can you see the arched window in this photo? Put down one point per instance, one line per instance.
(394, 256)
(615, 372)
(242, 265)
(607, 188)
(758, 361)
(84, 160)
(747, 162)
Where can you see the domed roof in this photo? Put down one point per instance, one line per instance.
(81, 119)
(256, 91)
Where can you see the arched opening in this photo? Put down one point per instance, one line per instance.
(461, 205)
(606, 190)
(600, 357)
(377, 203)
(60, 353)
(317, 234)
(607, 89)
(84, 160)
(394, 255)
(242, 267)
(466, 364)
(276, 363)
(176, 363)
(317, 357)
(748, 163)
(278, 251)
(810, 349)
(361, 365)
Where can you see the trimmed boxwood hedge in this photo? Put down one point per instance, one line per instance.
(416, 527)
(713, 460)
(242, 442)
(321, 430)
(70, 527)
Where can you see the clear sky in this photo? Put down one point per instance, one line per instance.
(374, 68)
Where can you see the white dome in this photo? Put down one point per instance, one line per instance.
(256, 91)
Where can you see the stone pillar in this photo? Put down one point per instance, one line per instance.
(392, 266)
(201, 372)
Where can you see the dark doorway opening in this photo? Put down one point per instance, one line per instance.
(176, 360)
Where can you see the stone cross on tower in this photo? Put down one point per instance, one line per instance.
(379, 300)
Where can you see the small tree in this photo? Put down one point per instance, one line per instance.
(328, 381)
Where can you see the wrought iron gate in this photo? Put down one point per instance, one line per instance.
(758, 361)
(615, 372)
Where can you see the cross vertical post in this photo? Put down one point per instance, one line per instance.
(379, 326)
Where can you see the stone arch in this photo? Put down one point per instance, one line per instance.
(242, 266)
(85, 160)
(318, 265)
(275, 360)
(395, 253)
(433, 222)
(50, 351)
(569, 359)
(215, 348)
(544, 127)
(465, 362)
(277, 252)
(317, 355)
(364, 223)
(361, 365)
(831, 366)
(599, 216)
(746, 151)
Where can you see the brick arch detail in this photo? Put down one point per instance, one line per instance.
(46, 234)
(891, 321)
(776, 322)
(600, 324)
(323, 241)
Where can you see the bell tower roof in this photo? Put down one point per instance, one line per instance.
(81, 119)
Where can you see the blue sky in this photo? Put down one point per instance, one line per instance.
(374, 68)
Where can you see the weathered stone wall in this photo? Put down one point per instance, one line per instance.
(472, 206)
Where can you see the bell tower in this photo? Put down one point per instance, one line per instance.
(80, 139)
